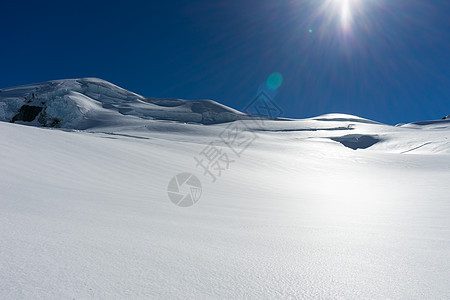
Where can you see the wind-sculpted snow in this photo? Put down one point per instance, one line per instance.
(332, 207)
(86, 215)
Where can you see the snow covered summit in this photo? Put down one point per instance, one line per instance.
(89, 102)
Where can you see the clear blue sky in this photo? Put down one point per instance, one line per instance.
(387, 60)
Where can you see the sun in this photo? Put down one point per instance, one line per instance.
(345, 9)
(346, 13)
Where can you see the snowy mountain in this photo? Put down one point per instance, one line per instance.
(335, 206)
(90, 102)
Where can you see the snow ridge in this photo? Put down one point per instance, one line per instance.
(90, 102)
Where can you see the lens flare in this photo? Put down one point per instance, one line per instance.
(274, 81)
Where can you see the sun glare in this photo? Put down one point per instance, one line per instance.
(345, 10)
(346, 13)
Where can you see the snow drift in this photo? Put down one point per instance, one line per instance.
(335, 206)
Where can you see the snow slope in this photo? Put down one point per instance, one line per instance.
(335, 206)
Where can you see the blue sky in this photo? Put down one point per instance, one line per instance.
(389, 61)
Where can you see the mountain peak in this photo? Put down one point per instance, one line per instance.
(87, 102)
